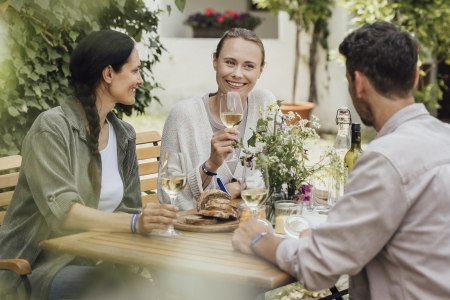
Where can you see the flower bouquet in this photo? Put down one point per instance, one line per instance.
(284, 146)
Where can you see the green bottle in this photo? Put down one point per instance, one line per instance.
(355, 150)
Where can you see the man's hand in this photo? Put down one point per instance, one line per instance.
(245, 233)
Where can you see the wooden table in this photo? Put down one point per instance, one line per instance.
(209, 256)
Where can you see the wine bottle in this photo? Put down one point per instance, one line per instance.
(355, 149)
(341, 146)
(343, 141)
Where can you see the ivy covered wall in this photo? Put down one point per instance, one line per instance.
(41, 34)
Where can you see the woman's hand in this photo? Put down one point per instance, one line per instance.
(234, 188)
(156, 216)
(221, 146)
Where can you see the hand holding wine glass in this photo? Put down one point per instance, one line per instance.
(173, 179)
(231, 112)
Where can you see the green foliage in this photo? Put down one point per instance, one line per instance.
(41, 34)
(428, 20)
(305, 14)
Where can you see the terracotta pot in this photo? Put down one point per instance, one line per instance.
(304, 109)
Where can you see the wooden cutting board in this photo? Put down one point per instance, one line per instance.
(226, 226)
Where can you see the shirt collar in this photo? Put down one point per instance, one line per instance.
(404, 115)
(73, 111)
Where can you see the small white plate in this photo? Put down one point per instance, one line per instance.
(293, 225)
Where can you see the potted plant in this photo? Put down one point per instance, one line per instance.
(212, 24)
(304, 13)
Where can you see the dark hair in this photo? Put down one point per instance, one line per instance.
(385, 54)
(93, 53)
(245, 34)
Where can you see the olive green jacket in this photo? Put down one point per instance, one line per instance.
(54, 176)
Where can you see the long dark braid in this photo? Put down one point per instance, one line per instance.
(95, 52)
(93, 119)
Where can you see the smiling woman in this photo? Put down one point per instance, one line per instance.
(194, 126)
(80, 173)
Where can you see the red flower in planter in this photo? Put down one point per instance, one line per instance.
(209, 12)
(213, 19)
(231, 13)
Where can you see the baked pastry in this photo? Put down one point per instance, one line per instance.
(215, 203)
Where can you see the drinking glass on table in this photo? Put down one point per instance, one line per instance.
(255, 186)
(321, 190)
(173, 179)
(231, 113)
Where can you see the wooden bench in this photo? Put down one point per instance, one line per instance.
(9, 175)
(148, 148)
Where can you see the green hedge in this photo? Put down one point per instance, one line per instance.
(41, 34)
(428, 21)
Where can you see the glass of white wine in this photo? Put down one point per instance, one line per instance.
(255, 185)
(231, 112)
(173, 179)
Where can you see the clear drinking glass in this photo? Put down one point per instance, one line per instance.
(255, 186)
(173, 179)
(320, 192)
(231, 113)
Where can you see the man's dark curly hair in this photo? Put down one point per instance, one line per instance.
(385, 54)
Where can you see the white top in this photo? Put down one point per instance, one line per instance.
(111, 192)
(188, 130)
(391, 230)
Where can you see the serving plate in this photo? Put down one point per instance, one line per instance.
(224, 226)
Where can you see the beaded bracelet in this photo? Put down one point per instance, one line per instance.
(134, 219)
(257, 238)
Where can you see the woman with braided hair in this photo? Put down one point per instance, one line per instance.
(80, 173)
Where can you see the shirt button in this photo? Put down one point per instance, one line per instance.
(51, 198)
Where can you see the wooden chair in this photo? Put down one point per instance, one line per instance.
(148, 152)
(9, 175)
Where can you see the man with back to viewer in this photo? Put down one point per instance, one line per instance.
(390, 230)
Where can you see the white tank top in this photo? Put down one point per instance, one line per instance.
(111, 192)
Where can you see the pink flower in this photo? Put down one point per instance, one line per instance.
(209, 12)
(220, 19)
(230, 13)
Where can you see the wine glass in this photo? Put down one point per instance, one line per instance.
(173, 179)
(231, 112)
(255, 186)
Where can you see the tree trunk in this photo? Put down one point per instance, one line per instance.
(313, 64)
(296, 63)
